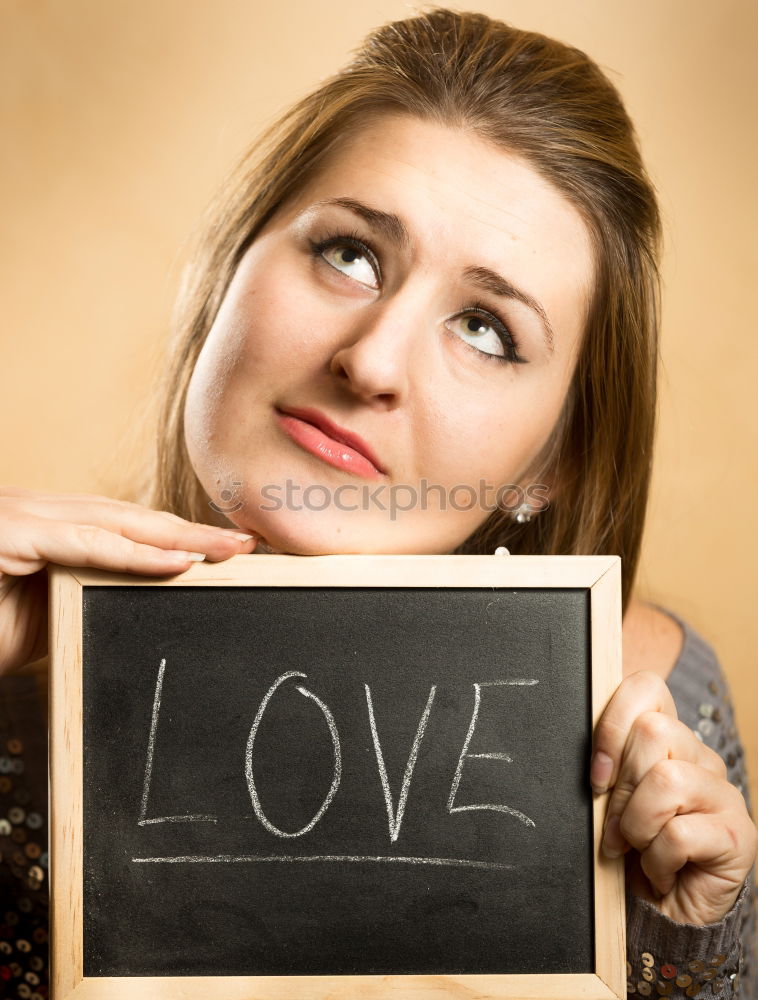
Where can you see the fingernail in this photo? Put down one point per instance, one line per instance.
(601, 770)
(613, 840)
(179, 557)
(231, 533)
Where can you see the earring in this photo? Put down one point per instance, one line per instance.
(522, 514)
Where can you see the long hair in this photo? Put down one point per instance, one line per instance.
(527, 94)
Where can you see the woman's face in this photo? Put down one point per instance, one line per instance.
(381, 316)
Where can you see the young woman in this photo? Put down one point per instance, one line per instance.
(440, 267)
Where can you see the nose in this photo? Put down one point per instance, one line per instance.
(384, 344)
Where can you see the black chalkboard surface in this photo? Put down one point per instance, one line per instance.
(337, 769)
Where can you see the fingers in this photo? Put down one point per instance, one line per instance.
(89, 545)
(106, 534)
(655, 736)
(642, 714)
(640, 692)
(154, 527)
(682, 813)
(656, 739)
(693, 838)
(670, 788)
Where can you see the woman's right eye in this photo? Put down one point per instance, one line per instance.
(350, 256)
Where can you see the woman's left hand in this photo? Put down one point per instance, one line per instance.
(691, 837)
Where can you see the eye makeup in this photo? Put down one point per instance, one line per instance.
(353, 240)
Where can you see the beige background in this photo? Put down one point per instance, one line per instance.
(120, 117)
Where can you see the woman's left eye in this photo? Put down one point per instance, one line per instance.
(351, 256)
(491, 337)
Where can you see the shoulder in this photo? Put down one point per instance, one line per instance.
(651, 639)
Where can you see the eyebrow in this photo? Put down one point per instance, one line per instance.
(394, 229)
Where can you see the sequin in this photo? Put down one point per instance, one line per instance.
(718, 959)
(643, 988)
(24, 991)
(36, 872)
(23, 945)
(648, 975)
(705, 726)
(647, 959)
(33, 851)
(683, 979)
(5, 785)
(34, 821)
(665, 989)
(18, 835)
(32, 979)
(694, 990)
(5, 828)
(15, 746)
(668, 971)
(709, 974)
(706, 711)
(5, 765)
(16, 814)
(5, 948)
(712, 687)
(628, 969)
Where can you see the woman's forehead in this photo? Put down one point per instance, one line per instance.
(426, 165)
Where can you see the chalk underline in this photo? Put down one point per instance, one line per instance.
(235, 859)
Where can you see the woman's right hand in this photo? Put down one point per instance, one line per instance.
(87, 530)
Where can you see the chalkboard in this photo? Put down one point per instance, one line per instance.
(349, 768)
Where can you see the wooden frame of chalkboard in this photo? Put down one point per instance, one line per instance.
(511, 586)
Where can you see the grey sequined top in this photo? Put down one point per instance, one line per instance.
(664, 958)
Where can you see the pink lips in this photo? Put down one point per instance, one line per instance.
(336, 445)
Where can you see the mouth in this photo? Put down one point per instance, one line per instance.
(335, 445)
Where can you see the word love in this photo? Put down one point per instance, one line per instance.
(395, 811)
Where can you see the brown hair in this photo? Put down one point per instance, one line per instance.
(528, 94)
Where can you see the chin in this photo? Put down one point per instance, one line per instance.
(273, 542)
